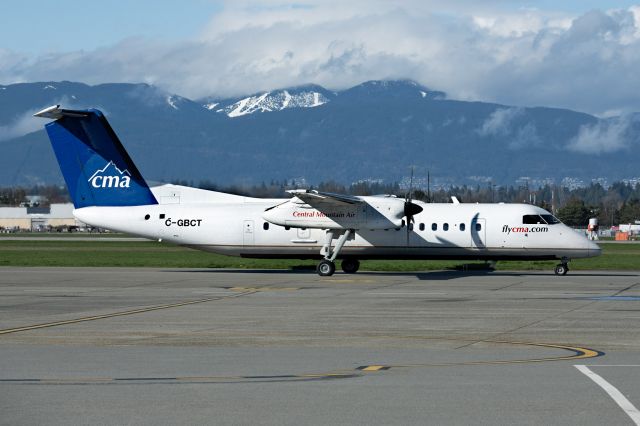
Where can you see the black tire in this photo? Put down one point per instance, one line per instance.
(326, 268)
(350, 266)
(562, 269)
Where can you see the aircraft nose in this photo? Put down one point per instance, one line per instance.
(594, 249)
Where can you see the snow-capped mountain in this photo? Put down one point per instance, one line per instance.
(372, 130)
(298, 97)
(174, 101)
(311, 96)
(392, 89)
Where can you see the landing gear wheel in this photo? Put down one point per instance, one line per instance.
(350, 266)
(326, 268)
(562, 269)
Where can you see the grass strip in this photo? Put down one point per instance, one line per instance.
(115, 253)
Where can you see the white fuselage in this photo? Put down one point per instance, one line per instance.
(235, 225)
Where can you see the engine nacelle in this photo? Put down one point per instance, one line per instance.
(374, 213)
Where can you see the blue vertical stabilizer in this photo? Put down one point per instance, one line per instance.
(97, 169)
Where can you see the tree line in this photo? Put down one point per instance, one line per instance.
(618, 203)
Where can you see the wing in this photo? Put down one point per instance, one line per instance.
(325, 199)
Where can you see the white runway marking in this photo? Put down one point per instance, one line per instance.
(616, 365)
(431, 293)
(613, 392)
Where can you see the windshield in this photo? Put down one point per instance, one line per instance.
(535, 219)
(550, 219)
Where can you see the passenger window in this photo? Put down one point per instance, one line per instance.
(265, 226)
(445, 227)
(434, 226)
(462, 226)
(421, 226)
(478, 227)
(286, 228)
(532, 219)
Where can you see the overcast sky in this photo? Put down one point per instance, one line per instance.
(581, 54)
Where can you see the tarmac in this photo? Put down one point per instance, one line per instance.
(175, 346)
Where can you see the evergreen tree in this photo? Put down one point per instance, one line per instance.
(630, 211)
(574, 213)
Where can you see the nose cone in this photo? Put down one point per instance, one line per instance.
(594, 249)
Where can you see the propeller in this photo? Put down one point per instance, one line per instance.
(410, 209)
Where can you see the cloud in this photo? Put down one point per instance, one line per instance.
(22, 125)
(510, 122)
(606, 136)
(500, 122)
(26, 123)
(489, 52)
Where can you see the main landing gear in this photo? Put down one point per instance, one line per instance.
(327, 266)
(350, 265)
(562, 268)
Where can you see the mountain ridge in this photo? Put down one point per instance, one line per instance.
(374, 130)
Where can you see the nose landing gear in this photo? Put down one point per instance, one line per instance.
(562, 268)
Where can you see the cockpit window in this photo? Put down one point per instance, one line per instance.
(550, 219)
(532, 219)
(542, 219)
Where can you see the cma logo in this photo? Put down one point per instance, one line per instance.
(104, 178)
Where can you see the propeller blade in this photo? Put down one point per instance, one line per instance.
(411, 186)
(408, 233)
(410, 210)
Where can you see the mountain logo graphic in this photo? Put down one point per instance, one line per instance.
(110, 177)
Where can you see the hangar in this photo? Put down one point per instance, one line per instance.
(13, 219)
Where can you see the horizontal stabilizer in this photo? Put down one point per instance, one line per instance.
(55, 112)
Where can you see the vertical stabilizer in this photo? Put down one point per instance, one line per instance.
(96, 167)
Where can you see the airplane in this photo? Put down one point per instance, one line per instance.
(109, 192)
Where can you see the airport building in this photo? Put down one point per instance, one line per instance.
(57, 216)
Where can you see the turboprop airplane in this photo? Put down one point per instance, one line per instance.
(109, 192)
